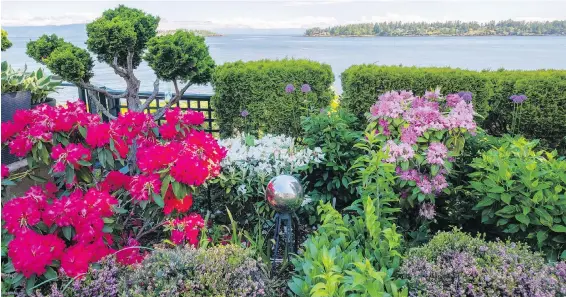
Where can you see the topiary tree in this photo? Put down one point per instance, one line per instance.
(6, 43)
(180, 56)
(119, 38)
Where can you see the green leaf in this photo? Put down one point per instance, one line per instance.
(541, 236)
(165, 185)
(107, 229)
(158, 200)
(523, 219)
(50, 273)
(67, 232)
(37, 178)
(505, 197)
(84, 163)
(544, 217)
(485, 202)
(30, 283)
(558, 228)
(7, 182)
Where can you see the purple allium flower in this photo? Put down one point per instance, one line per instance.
(322, 110)
(518, 98)
(290, 88)
(305, 88)
(466, 96)
(244, 113)
(427, 211)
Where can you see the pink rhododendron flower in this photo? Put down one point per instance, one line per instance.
(436, 153)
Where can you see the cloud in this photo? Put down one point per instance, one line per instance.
(64, 19)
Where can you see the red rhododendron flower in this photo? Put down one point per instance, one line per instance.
(98, 135)
(9, 129)
(31, 252)
(99, 249)
(168, 131)
(99, 202)
(114, 181)
(59, 212)
(19, 214)
(142, 186)
(76, 260)
(186, 229)
(190, 171)
(71, 154)
(173, 203)
(21, 145)
(130, 254)
(5, 171)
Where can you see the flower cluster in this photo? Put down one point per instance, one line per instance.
(267, 156)
(421, 134)
(71, 155)
(185, 230)
(72, 228)
(31, 252)
(38, 125)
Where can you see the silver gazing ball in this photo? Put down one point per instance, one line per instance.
(284, 194)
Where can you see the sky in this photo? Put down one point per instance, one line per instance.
(276, 14)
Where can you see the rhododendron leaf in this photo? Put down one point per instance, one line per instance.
(69, 175)
(124, 169)
(30, 283)
(44, 155)
(67, 232)
(82, 130)
(50, 274)
(143, 204)
(165, 185)
(108, 220)
(107, 229)
(120, 210)
(84, 163)
(17, 279)
(8, 267)
(37, 178)
(523, 219)
(158, 200)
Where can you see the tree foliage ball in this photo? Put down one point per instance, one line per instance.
(121, 30)
(182, 55)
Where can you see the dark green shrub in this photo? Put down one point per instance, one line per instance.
(259, 88)
(543, 114)
(335, 134)
(217, 271)
(522, 192)
(457, 264)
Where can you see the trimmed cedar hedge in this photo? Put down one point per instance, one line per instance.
(543, 115)
(259, 88)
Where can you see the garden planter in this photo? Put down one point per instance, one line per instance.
(10, 103)
(49, 101)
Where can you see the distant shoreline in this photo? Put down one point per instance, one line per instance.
(378, 36)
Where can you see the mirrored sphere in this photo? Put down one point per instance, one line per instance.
(284, 193)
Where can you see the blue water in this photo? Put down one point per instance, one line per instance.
(475, 53)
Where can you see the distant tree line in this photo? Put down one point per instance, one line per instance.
(450, 28)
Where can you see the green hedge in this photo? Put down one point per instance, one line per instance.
(259, 88)
(543, 115)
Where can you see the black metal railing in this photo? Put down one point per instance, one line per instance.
(196, 102)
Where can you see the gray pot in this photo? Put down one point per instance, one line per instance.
(10, 103)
